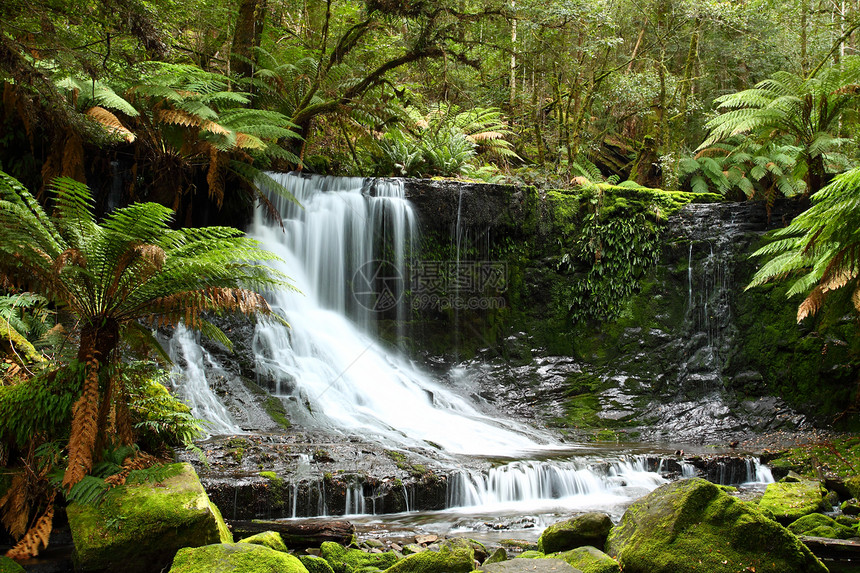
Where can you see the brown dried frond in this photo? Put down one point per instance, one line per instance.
(215, 128)
(178, 117)
(811, 304)
(36, 537)
(73, 158)
(853, 89)
(245, 141)
(73, 256)
(711, 152)
(214, 177)
(15, 506)
(235, 299)
(110, 122)
(485, 136)
(84, 428)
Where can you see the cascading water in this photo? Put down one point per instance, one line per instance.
(347, 250)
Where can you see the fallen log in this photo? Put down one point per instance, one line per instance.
(832, 548)
(297, 535)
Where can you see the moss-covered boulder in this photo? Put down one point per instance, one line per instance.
(447, 559)
(235, 558)
(139, 526)
(10, 566)
(853, 486)
(819, 525)
(789, 501)
(694, 522)
(586, 529)
(479, 549)
(589, 560)
(345, 560)
(270, 539)
(499, 555)
(531, 554)
(850, 507)
(315, 564)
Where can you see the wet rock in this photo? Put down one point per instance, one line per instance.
(497, 556)
(345, 560)
(850, 507)
(530, 566)
(235, 558)
(140, 525)
(448, 559)
(695, 519)
(789, 501)
(587, 529)
(315, 564)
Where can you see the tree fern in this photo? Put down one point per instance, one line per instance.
(819, 251)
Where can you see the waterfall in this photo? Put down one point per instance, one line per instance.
(347, 249)
(193, 368)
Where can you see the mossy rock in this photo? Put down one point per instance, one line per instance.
(587, 529)
(497, 556)
(447, 560)
(10, 566)
(235, 558)
(850, 507)
(818, 525)
(315, 564)
(788, 502)
(589, 560)
(531, 554)
(694, 521)
(478, 548)
(530, 566)
(346, 560)
(140, 525)
(270, 539)
(853, 485)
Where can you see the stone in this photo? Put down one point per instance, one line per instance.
(235, 558)
(819, 525)
(853, 486)
(479, 549)
(531, 554)
(789, 501)
(587, 529)
(139, 526)
(315, 564)
(530, 566)
(411, 548)
(447, 559)
(10, 566)
(345, 560)
(270, 539)
(424, 539)
(589, 560)
(693, 522)
(850, 507)
(497, 556)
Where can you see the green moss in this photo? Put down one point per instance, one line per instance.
(587, 529)
(271, 404)
(818, 525)
(457, 560)
(787, 502)
(235, 558)
(531, 554)
(145, 520)
(589, 560)
(315, 564)
(693, 525)
(346, 560)
(270, 539)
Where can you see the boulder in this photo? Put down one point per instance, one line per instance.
(345, 560)
(851, 507)
(497, 556)
(530, 566)
(852, 484)
(315, 564)
(818, 525)
(139, 526)
(589, 560)
(587, 529)
(789, 501)
(478, 548)
(693, 523)
(235, 558)
(10, 566)
(447, 559)
(270, 539)
(531, 554)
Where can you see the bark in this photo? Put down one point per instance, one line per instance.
(247, 36)
(300, 535)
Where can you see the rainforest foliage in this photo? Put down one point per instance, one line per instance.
(127, 128)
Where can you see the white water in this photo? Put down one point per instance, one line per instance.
(329, 358)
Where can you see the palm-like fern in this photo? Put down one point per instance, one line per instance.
(804, 111)
(111, 275)
(820, 249)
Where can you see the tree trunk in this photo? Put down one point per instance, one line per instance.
(247, 36)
